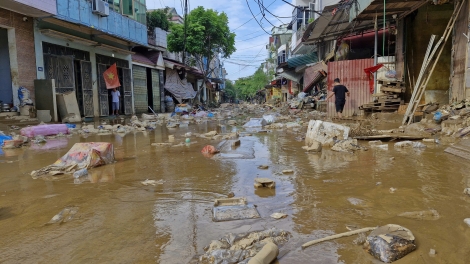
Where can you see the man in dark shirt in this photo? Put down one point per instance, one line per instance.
(339, 91)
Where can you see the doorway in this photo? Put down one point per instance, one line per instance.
(6, 92)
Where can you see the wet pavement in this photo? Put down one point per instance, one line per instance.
(119, 220)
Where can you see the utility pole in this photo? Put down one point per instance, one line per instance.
(185, 29)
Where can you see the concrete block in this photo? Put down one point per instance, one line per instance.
(68, 107)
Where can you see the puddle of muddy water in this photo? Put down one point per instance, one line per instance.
(121, 220)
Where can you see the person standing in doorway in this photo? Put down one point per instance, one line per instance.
(115, 94)
(339, 91)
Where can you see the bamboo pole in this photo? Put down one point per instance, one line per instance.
(350, 233)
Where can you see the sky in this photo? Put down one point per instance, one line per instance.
(251, 38)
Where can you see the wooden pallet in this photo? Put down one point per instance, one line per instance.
(391, 83)
(392, 89)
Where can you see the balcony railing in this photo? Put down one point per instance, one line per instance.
(157, 37)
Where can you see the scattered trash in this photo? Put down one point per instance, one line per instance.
(383, 146)
(466, 191)
(233, 209)
(418, 145)
(421, 215)
(375, 142)
(230, 195)
(239, 248)
(264, 182)
(278, 215)
(210, 134)
(11, 144)
(268, 253)
(81, 155)
(378, 183)
(209, 149)
(350, 233)
(235, 143)
(44, 130)
(263, 167)
(269, 119)
(64, 216)
(392, 190)
(346, 145)
(467, 221)
(3, 138)
(151, 182)
(360, 239)
(287, 171)
(432, 252)
(403, 144)
(80, 173)
(187, 140)
(255, 122)
(390, 242)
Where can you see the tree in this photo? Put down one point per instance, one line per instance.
(158, 18)
(230, 90)
(248, 86)
(207, 35)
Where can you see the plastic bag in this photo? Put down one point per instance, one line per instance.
(3, 138)
(23, 95)
(391, 74)
(437, 116)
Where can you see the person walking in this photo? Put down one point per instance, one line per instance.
(115, 94)
(339, 91)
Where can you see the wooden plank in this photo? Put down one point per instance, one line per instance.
(390, 89)
(461, 149)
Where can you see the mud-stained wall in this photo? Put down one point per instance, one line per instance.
(24, 70)
(428, 20)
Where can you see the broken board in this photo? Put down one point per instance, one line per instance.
(233, 209)
(461, 149)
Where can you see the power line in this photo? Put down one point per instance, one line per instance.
(250, 38)
(255, 17)
(252, 47)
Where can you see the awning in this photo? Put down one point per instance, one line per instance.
(398, 8)
(302, 60)
(332, 23)
(314, 74)
(181, 89)
(291, 75)
(337, 20)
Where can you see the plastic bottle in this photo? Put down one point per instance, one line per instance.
(80, 173)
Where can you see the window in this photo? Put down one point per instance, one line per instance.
(134, 9)
(281, 58)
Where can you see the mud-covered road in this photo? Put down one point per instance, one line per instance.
(119, 220)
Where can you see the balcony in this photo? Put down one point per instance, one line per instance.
(157, 38)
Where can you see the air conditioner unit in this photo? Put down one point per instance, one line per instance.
(100, 7)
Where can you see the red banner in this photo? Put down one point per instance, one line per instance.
(111, 77)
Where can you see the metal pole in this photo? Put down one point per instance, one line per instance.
(185, 28)
(375, 52)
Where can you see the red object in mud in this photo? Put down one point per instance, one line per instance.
(209, 150)
(370, 73)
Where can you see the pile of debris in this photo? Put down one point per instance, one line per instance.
(390, 98)
(240, 248)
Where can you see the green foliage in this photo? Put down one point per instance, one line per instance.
(248, 86)
(207, 34)
(230, 90)
(158, 18)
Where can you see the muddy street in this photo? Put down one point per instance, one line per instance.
(113, 218)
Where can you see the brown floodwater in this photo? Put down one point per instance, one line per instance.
(119, 220)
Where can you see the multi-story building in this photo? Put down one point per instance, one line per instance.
(17, 49)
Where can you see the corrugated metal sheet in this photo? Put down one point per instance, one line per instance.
(351, 74)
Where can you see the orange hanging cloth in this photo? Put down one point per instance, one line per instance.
(111, 77)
